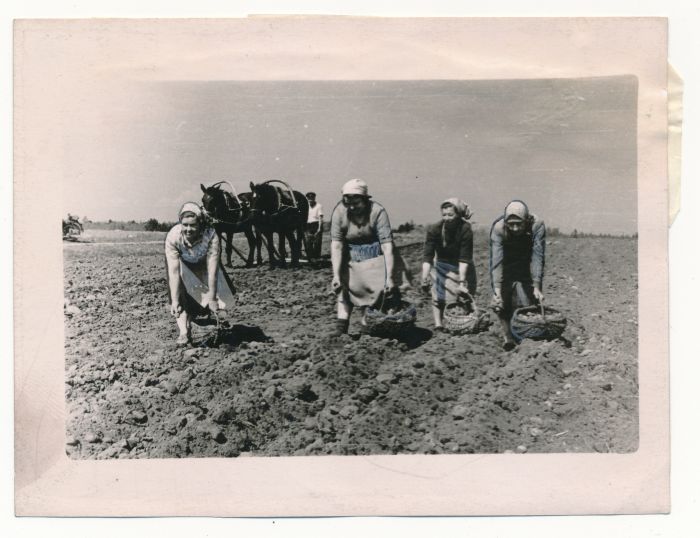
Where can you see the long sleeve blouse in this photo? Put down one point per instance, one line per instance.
(517, 258)
(450, 247)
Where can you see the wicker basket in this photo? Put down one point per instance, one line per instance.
(391, 323)
(459, 318)
(537, 323)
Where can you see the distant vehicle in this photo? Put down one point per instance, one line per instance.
(71, 227)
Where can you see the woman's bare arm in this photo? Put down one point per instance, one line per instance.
(388, 251)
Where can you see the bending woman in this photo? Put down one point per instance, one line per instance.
(449, 246)
(516, 263)
(198, 285)
(362, 252)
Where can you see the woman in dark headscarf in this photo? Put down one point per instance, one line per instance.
(516, 264)
(448, 258)
(197, 282)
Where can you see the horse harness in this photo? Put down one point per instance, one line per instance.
(227, 200)
(282, 206)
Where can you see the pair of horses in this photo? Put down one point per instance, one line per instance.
(270, 207)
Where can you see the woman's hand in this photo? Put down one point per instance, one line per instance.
(425, 277)
(176, 309)
(389, 285)
(537, 292)
(212, 303)
(462, 289)
(497, 302)
(425, 285)
(336, 262)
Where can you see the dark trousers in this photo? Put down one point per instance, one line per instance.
(516, 294)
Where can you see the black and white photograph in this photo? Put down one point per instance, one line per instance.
(354, 267)
(383, 254)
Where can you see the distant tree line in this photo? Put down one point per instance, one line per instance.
(152, 225)
(405, 227)
(554, 231)
(576, 234)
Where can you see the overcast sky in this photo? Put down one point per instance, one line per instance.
(567, 147)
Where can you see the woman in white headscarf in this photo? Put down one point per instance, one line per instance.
(448, 258)
(197, 282)
(362, 251)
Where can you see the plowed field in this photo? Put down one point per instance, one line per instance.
(280, 384)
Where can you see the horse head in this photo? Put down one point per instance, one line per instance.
(261, 199)
(213, 200)
(270, 198)
(223, 205)
(246, 199)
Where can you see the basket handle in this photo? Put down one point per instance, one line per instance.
(544, 318)
(474, 305)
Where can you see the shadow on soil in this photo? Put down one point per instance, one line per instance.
(233, 336)
(413, 339)
(416, 337)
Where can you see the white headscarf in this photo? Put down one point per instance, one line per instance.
(355, 187)
(190, 207)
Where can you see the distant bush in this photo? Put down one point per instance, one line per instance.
(152, 225)
(405, 227)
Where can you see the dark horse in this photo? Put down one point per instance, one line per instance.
(278, 209)
(230, 214)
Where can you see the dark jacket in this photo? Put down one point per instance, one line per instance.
(517, 258)
(450, 247)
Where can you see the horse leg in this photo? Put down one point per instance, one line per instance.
(301, 242)
(269, 237)
(281, 249)
(251, 246)
(258, 245)
(294, 246)
(229, 248)
(306, 244)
